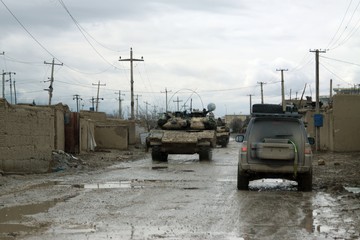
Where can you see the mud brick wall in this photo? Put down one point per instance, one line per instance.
(28, 136)
(346, 122)
(341, 124)
(111, 136)
(101, 117)
(87, 135)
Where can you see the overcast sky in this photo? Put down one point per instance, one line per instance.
(204, 50)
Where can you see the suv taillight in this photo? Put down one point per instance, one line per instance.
(307, 149)
(244, 147)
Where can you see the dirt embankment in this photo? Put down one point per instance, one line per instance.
(99, 159)
(334, 171)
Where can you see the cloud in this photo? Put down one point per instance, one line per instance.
(220, 49)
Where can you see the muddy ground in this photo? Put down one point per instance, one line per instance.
(124, 195)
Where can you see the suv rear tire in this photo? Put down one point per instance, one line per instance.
(304, 181)
(242, 180)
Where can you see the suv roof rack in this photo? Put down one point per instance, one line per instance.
(274, 109)
(278, 115)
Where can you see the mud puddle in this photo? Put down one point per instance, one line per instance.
(355, 190)
(272, 184)
(12, 218)
(137, 184)
(330, 217)
(108, 185)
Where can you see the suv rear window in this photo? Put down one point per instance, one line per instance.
(282, 128)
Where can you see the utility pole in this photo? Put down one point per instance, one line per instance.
(51, 78)
(137, 105)
(3, 84)
(262, 92)
(282, 89)
(10, 80)
(77, 98)
(97, 97)
(290, 94)
(146, 110)
(317, 106)
(92, 103)
(166, 99)
(131, 60)
(250, 103)
(154, 112)
(184, 106)
(120, 100)
(3, 80)
(331, 83)
(177, 101)
(15, 92)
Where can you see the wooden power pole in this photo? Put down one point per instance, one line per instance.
(317, 104)
(97, 96)
(250, 95)
(166, 99)
(131, 60)
(282, 89)
(120, 100)
(262, 91)
(50, 90)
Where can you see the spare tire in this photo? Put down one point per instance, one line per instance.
(267, 108)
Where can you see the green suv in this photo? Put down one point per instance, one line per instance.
(275, 145)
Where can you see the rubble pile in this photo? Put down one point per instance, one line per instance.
(62, 161)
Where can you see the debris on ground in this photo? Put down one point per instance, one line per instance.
(62, 161)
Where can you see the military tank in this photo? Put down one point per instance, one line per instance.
(184, 133)
(222, 133)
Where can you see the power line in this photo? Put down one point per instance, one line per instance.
(356, 64)
(334, 73)
(83, 29)
(342, 21)
(28, 32)
(351, 32)
(82, 32)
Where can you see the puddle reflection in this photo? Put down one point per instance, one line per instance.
(108, 185)
(16, 214)
(272, 184)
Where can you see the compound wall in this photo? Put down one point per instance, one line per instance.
(28, 135)
(341, 125)
(346, 122)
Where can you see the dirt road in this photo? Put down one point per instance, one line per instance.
(116, 197)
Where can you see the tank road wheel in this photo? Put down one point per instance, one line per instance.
(305, 182)
(163, 156)
(205, 154)
(157, 155)
(242, 180)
